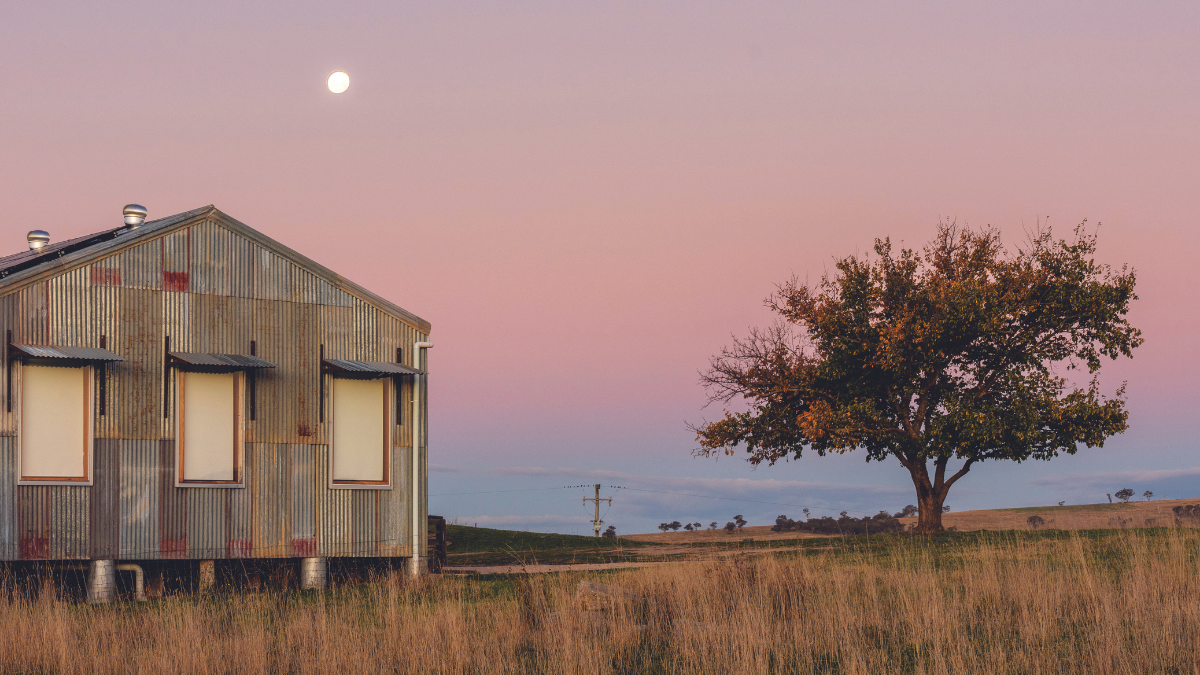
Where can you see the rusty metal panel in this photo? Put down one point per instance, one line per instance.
(176, 261)
(334, 517)
(271, 488)
(70, 521)
(8, 498)
(106, 500)
(366, 333)
(106, 315)
(140, 483)
(70, 309)
(172, 504)
(34, 317)
(303, 503)
(242, 255)
(135, 387)
(393, 509)
(304, 286)
(240, 528)
(363, 507)
(211, 245)
(141, 266)
(207, 509)
(33, 522)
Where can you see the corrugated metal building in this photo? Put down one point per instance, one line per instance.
(131, 356)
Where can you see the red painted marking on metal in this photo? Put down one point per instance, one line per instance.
(102, 276)
(173, 548)
(306, 547)
(175, 281)
(37, 548)
(239, 548)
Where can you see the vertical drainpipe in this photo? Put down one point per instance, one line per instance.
(418, 528)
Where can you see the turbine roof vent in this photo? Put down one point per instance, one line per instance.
(38, 239)
(135, 215)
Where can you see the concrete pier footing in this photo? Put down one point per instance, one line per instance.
(206, 575)
(101, 581)
(314, 573)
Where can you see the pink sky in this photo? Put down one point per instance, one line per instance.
(587, 199)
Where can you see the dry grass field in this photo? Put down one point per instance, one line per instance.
(1016, 602)
(1076, 517)
(1073, 517)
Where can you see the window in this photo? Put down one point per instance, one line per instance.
(361, 434)
(55, 425)
(208, 428)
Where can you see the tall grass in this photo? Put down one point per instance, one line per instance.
(1125, 603)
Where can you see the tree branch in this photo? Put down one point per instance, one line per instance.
(961, 472)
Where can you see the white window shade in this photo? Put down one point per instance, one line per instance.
(360, 431)
(209, 433)
(55, 429)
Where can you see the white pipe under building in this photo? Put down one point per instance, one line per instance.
(418, 528)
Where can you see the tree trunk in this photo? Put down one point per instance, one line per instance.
(930, 496)
(929, 520)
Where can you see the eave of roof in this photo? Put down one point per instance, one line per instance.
(21, 269)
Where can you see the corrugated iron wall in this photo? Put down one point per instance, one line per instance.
(206, 289)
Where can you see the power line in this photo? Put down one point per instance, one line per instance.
(728, 499)
(661, 492)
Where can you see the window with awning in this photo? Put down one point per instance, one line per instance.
(209, 417)
(55, 421)
(361, 421)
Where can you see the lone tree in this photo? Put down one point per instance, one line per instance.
(1123, 495)
(954, 353)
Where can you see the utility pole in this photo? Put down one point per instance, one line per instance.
(597, 522)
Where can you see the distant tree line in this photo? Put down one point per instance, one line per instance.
(843, 524)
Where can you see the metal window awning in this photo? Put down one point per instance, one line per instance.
(217, 362)
(62, 355)
(367, 369)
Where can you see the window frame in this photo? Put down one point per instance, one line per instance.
(89, 435)
(239, 430)
(388, 436)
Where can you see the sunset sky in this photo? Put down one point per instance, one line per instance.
(587, 200)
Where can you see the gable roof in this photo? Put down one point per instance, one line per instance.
(22, 269)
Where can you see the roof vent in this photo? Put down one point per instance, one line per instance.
(38, 239)
(135, 215)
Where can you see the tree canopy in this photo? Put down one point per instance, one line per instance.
(956, 352)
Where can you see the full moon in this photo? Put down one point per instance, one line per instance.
(339, 82)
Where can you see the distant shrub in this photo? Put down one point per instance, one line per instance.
(712, 525)
(1188, 514)
(739, 521)
(730, 528)
(1035, 522)
(610, 533)
(1147, 495)
(688, 527)
(906, 512)
(675, 525)
(1123, 494)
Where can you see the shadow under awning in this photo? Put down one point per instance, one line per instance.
(217, 362)
(367, 369)
(66, 356)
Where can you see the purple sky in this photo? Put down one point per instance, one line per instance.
(587, 199)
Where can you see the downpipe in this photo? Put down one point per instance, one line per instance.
(418, 528)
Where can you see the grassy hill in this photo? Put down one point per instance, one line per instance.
(483, 545)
